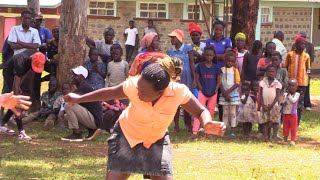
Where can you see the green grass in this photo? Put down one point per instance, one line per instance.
(315, 87)
(46, 157)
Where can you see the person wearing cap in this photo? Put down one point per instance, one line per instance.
(278, 39)
(82, 115)
(198, 46)
(44, 33)
(240, 42)
(24, 37)
(185, 53)
(23, 67)
(298, 66)
(310, 50)
(140, 142)
(105, 45)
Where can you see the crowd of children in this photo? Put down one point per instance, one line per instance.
(248, 86)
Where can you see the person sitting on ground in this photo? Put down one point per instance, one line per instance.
(46, 111)
(112, 111)
(82, 115)
(58, 105)
(96, 68)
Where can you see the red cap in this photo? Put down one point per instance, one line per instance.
(38, 60)
(299, 39)
(194, 28)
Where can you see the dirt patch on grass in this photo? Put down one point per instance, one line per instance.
(309, 144)
(315, 100)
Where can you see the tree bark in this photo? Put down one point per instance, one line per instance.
(72, 45)
(244, 19)
(34, 6)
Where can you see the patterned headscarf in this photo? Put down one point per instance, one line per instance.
(147, 39)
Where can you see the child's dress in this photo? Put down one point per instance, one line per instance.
(230, 76)
(269, 94)
(248, 112)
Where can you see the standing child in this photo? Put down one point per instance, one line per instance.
(208, 81)
(132, 39)
(290, 117)
(117, 68)
(282, 74)
(247, 111)
(229, 97)
(250, 61)
(270, 112)
(96, 70)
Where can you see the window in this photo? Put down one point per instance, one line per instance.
(266, 15)
(101, 8)
(153, 10)
(229, 15)
(191, 12)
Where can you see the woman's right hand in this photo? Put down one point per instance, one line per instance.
(71, 98)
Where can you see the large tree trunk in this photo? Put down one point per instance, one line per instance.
(34, 6)
(244, 19)
(72, 45)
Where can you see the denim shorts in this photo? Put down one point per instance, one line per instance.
(155, 161)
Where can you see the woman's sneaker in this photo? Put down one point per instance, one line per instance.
(23, 136)
(5, 130)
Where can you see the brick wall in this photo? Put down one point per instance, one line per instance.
(290, 21)
(127, 11)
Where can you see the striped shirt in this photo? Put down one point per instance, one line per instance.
(298, 67)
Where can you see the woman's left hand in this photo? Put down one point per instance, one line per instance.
(215, 128)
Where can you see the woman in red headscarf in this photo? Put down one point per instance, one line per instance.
(150, 45)
(198, 46)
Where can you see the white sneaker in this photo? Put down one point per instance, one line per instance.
(292, 143)
(308, 108)
(23, 136)
(5, 130)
